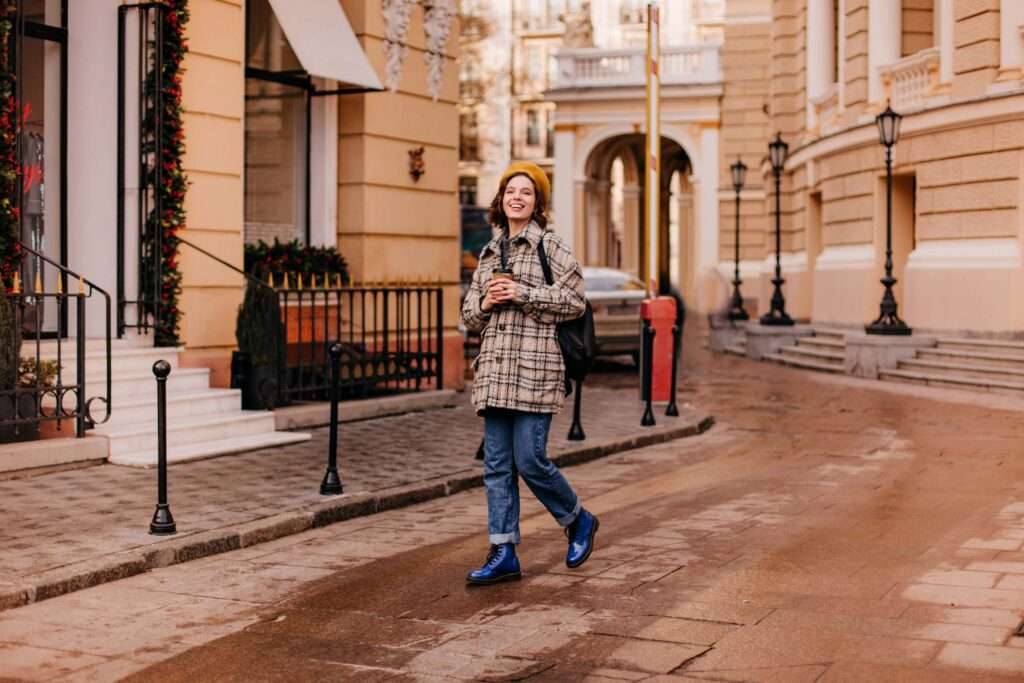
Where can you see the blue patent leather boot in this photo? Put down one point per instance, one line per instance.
(581, 539)
(501, 565)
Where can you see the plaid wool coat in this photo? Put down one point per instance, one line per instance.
(520, 365)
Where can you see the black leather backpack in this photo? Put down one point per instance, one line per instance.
(576, 337)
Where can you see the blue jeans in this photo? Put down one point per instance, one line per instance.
(515, 443)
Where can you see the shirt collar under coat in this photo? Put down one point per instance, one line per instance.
(532, 233)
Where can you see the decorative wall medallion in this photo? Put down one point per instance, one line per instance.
(396, 25)
(417, 166)
(437, 24)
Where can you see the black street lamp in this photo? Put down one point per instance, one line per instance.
(736, 310)
(777, 152)
(888, 322)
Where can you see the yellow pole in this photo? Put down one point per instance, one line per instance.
(652, 183)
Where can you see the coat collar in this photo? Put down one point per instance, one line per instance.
(533, 234)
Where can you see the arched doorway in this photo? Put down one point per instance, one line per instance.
(613, 195)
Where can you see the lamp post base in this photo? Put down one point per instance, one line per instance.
(736, 310)
(895, 328)
(777, 314)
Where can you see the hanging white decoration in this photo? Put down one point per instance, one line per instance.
(437, 24)
(396, 25)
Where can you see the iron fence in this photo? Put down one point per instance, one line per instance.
(50, 383)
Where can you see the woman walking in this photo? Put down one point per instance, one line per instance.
(520, 376)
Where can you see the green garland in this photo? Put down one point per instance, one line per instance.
(173, 181)
(10, 174)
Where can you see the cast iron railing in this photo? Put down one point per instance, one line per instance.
(42, 393)
(392, 336)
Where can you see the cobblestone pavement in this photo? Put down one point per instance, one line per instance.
(823, 531)
(53, 521)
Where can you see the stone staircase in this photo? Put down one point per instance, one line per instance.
(977, 364)
(739, 348)
(202, 421)
(824, 351)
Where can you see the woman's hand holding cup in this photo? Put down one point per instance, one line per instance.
(500, 290)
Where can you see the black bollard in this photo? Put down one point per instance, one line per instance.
(331, 485)
(576, 430)
(648, 370)
(673, 410)
(163, 520)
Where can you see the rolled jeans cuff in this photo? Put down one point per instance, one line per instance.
(570, 518)
(498, 539)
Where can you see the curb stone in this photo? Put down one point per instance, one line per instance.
(97, 571)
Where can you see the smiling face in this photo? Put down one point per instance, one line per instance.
(520, 198)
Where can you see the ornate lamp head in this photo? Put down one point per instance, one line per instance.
(888, 126)
(739, 174)
(778, 150)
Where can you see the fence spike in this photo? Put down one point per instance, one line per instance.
(338, 282)
(39, 282)
(16, 286)
(81, 285)
(270, 280)
(60, 284)
(300, 281)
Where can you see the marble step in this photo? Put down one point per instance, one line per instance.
(211, 449)
(814, 354)
(954, 381)
(125, 363)
(987, 358)
(802, 363)
(737, 349)
(822, 342)
(130, 387)
(141, 438)
(963, 369)
(982, 345)
(829, 333)
(142, 410)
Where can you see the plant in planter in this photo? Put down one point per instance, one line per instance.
(287, 259)
(256, 366)
(35, 374)
(10, 348)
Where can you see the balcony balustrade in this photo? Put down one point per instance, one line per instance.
(625, 67)
(912, 81)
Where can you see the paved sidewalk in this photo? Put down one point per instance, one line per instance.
(71, 530)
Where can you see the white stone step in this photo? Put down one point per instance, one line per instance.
(737, 349)
(126, 362)
(829, 343)
(991, 359)
(179, 405)
(831, 333)
(181, 381)
(210, 449)
(142, 437)
(69, 346)
(963, 369)
(953, 380)
(982, 345)
(814, 354)
(802, 363)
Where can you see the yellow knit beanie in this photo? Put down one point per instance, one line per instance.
(535, 173)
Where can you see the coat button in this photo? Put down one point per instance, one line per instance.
(501, 327)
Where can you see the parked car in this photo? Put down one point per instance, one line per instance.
(615, 297)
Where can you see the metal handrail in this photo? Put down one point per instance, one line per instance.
(93, 287)
(247, 276)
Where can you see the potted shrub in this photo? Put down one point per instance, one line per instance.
(35, 374)
(256, 366)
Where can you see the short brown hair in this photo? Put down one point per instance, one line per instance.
(496, 214)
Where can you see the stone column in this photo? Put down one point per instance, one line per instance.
(820, 54)
(602, 228)
(947, 19)
(885, 37)
(1011, 17)
(631, 229)
(564, 191)
(706, 257)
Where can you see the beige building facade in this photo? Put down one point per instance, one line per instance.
(954, 71)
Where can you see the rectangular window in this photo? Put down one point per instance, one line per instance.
(532, 128)
(469, 137)
(277, 123)
(467, 190)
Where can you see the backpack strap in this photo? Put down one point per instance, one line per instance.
(544, 265)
